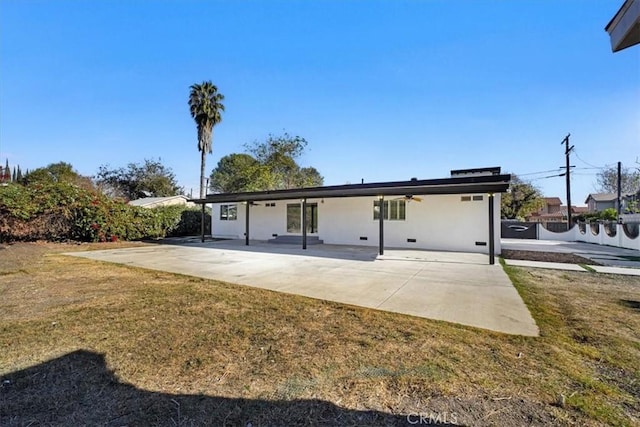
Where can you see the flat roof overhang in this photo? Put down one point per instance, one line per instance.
(461, 185)
(624, 28)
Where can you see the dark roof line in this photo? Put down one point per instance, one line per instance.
(456, 185)
(495, 170)
(624, 7)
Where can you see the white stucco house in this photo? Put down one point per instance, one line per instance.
(459, 213)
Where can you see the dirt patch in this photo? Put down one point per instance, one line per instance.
(547, 257)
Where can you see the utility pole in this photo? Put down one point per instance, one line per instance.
(619, 188)
(567, 151)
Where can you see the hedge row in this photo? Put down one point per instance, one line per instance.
(63, 211)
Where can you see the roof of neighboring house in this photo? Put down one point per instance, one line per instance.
(549, 215)
(147, 201)
(552, 201)
(574, 209)
(455, 185)
(607, 197)
(602, 197)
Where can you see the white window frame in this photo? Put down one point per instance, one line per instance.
(228, 212)
(387, 210)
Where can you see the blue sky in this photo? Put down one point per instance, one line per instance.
(382, 90)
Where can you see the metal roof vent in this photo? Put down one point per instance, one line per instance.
(414, 179)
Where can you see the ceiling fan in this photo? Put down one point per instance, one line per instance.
(409, 197)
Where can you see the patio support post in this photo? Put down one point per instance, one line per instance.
(202, 224)
(492, 257)
(381, 211)
(304, 223)
(246, 233)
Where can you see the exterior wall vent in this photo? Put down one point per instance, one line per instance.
(481, 243)
(364, 238)
(411, 240)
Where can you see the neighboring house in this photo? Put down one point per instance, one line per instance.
(460, 213)
(597, 202)
(155, 202)
(551, 211)
(624, 27)
(554, 211)
(577, 210)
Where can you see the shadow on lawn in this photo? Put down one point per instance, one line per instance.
(78, 389)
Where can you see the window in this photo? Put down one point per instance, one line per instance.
(228, 212)
(394, 210)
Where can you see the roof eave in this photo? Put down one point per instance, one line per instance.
(467, 185)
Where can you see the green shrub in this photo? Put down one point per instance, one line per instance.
(609, 214)
(189, 223)
(64, 211)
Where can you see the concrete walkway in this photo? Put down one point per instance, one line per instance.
(454, 287)
(574, 267)
(607, 255)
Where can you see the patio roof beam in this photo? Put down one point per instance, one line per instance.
(463, 185)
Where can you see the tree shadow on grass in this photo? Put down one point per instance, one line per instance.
(635, 305)
(78, 389)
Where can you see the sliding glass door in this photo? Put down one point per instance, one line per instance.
(294, 218)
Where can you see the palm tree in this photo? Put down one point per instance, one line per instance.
(205, 104)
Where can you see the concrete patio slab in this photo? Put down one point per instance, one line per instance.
(454, 287)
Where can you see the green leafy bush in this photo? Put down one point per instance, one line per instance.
(609, 214)
(189, 223)
(63, 211)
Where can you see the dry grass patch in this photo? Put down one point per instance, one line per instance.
(97, 343)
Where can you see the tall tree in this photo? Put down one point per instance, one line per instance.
(310, 177)
(5, 174)
(607, 180)
(150, 178)
(205, 105)
(237, 173)
(279, 155)
(522, 199)
(271, 165)
(57, 172)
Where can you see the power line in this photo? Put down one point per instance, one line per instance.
(538, 173)
(547, 177)
(585, 162)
